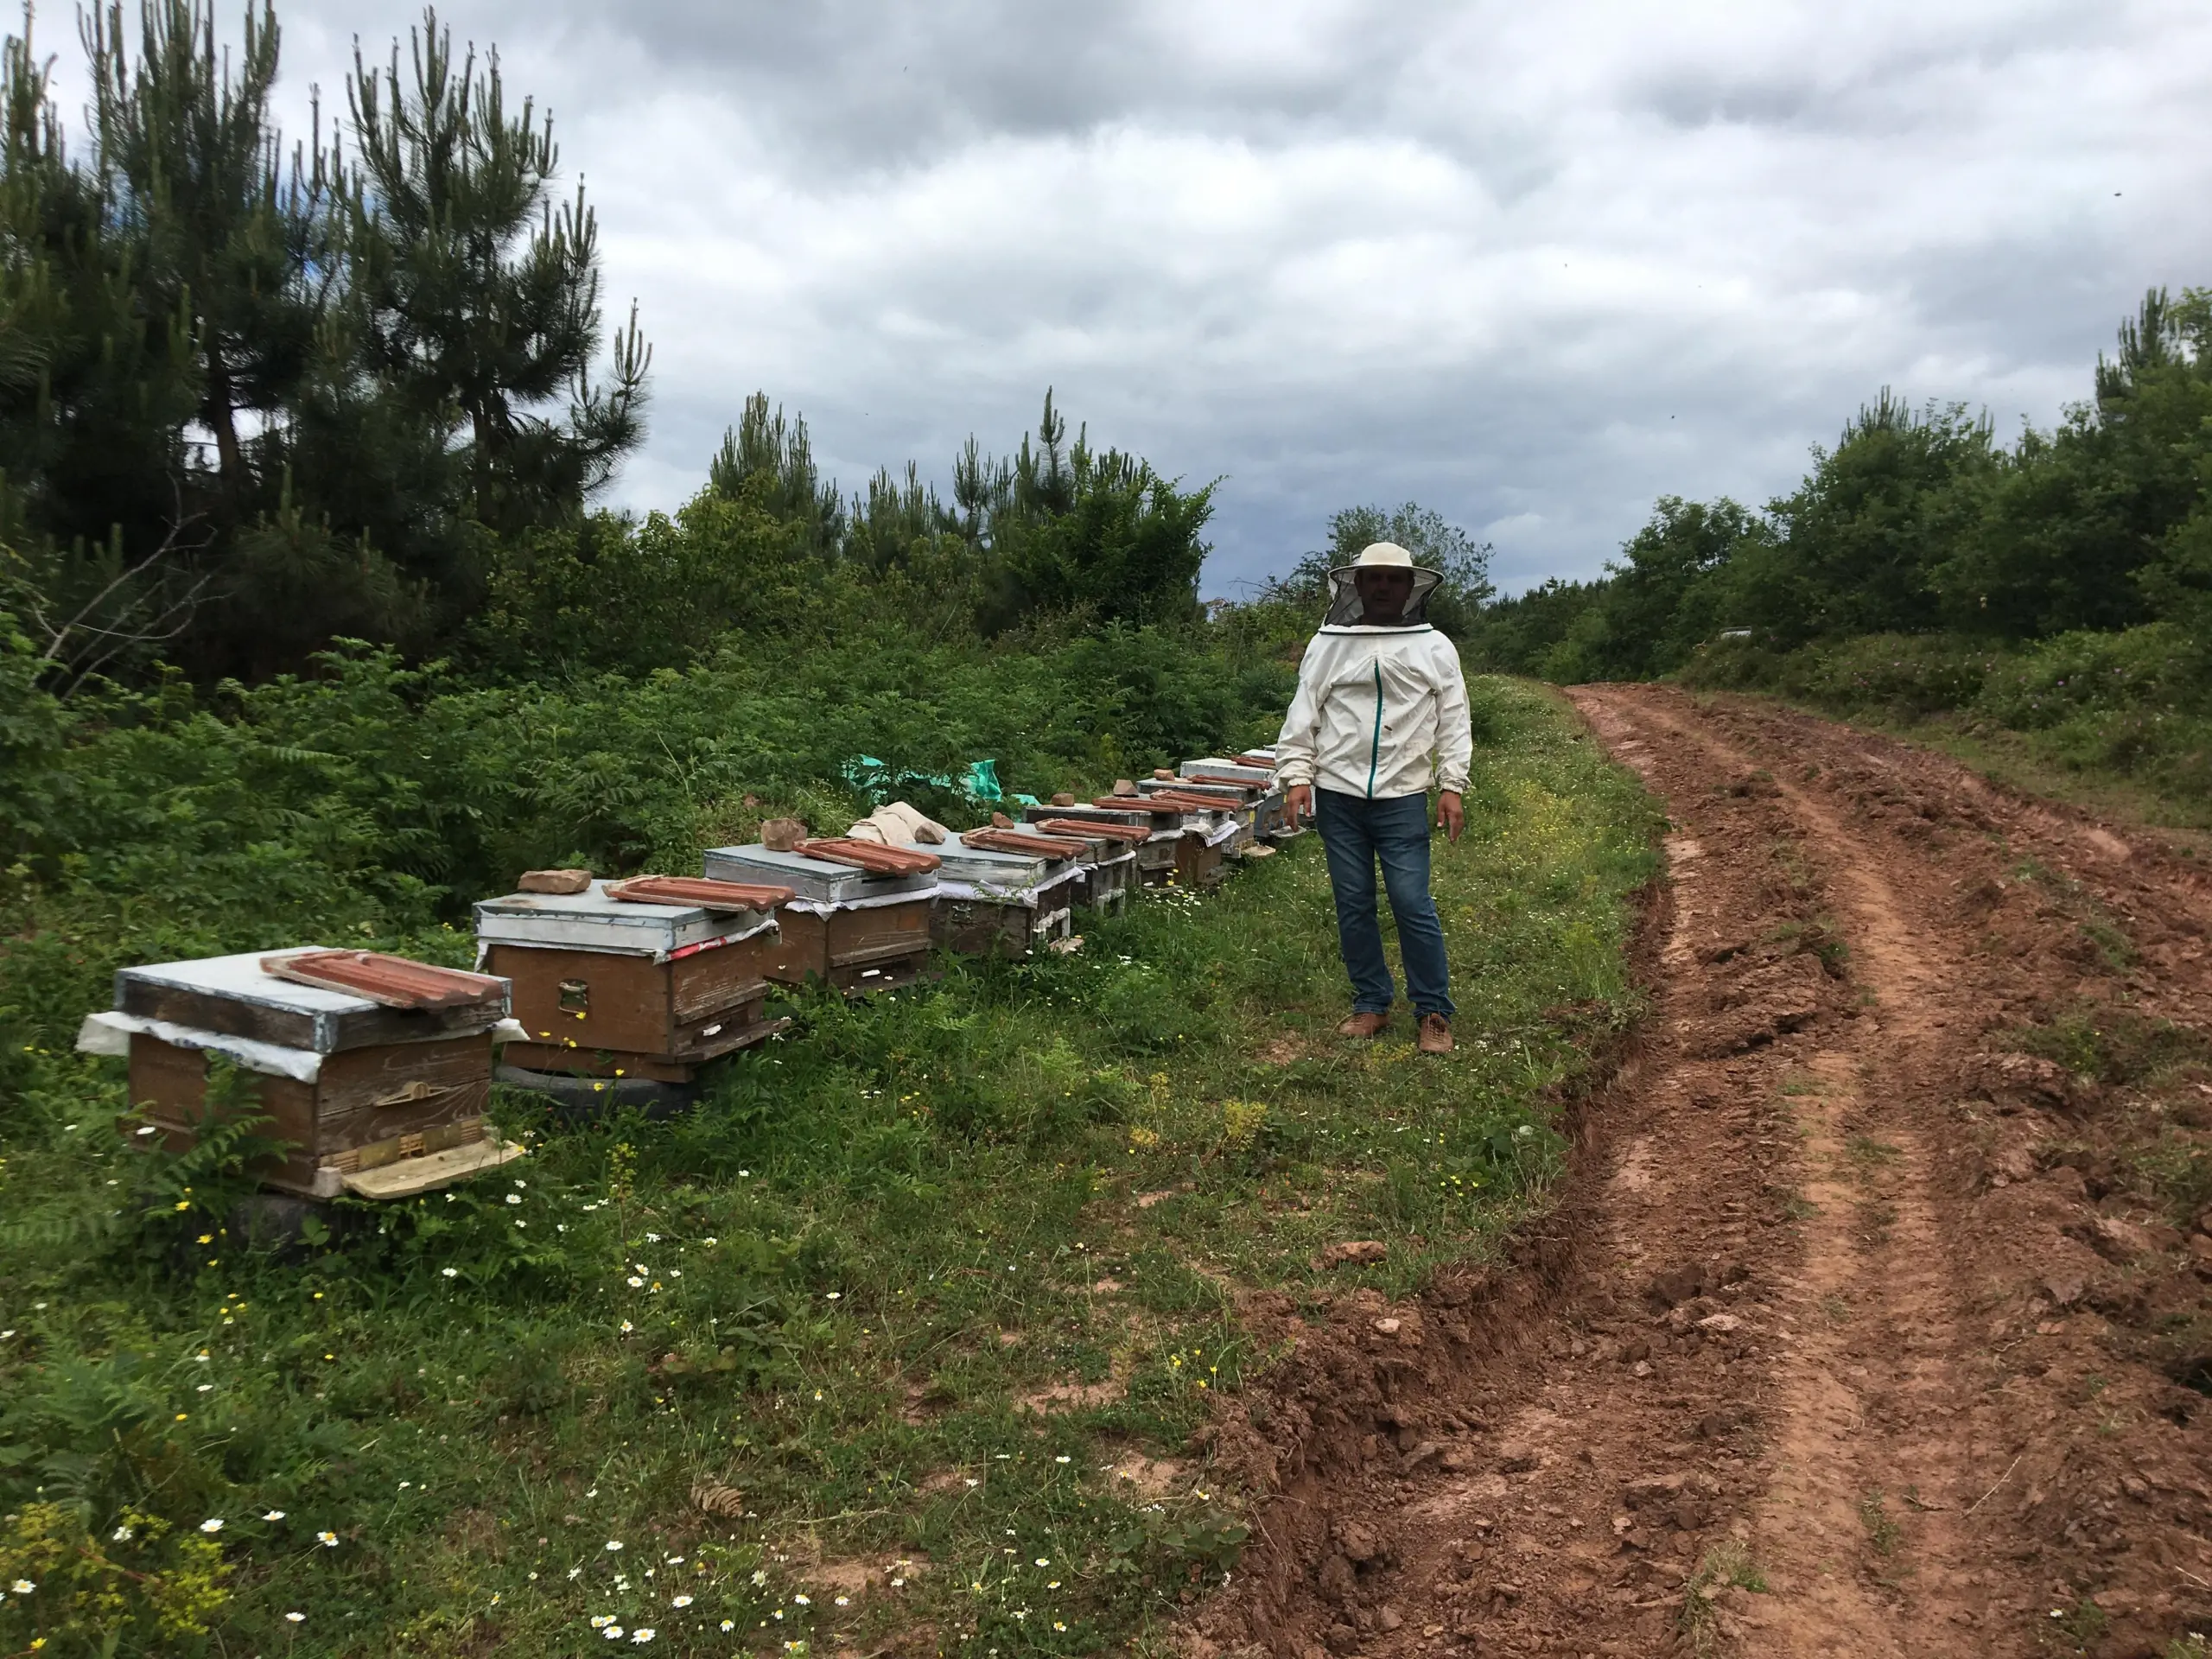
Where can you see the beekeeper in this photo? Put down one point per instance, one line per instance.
(1381, 710)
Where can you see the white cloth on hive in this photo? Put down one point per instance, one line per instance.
(899, 823)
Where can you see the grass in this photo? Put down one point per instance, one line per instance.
(901, 1336)
(1725, 1566)
(2036, 763)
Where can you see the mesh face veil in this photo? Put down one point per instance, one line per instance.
(1346, 610)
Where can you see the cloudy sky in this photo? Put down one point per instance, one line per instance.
(1530, 265)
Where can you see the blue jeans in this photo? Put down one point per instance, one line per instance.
(1356, 832)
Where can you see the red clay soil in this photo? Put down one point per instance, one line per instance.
(1863, 1324)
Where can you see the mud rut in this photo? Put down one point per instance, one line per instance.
(1817, 1355)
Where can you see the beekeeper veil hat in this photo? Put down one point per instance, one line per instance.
(1345, 608)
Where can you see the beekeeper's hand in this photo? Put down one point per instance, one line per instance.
(1450, 814)
(1298, 802)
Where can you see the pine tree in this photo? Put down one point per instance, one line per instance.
(96, 539)
(766, 447)
(477, 296)
(230, 244)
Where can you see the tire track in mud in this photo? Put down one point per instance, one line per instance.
(1856, 1533)
(1786, 1373)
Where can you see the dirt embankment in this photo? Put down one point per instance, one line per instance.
(1873, 1319)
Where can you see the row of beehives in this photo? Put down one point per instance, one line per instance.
(377, 1071)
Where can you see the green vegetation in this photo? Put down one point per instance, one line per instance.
(2042, 609)
(255, 399)
(949, 1280)
(309, 632)
(2123, 720)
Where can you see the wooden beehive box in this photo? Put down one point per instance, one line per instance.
(380, 1091)
(992, 902)
(1106, 882)
(1266, 797)
(857, 930)
(606, 986)
(1207, 827)
(1159, 856)
(1234, 801)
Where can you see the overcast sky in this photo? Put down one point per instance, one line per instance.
(1530, 265)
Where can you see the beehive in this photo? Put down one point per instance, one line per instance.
(1008, 900)
(377, 1076)
(1158, 857)
(1105, 882)
(1209, 825)
(1240, 801)
(607, 986)
(859, 930)
(1268, 821)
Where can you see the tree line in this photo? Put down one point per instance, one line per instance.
(254, 396)
(1920, 521)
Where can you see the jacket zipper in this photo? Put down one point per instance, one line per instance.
(1374, 744)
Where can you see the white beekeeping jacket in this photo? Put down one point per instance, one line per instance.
(1378, 713)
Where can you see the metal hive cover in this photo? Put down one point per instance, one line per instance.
(1260, 778)
(812, 879)
(590, 920)
(235, 995)
(984, 865)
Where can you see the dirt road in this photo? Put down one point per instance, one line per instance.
(1873, 1317)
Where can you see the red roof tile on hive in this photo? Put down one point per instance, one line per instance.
(1128, 832)
(392, 981)
(1195, 800)
(870, 856)
(1015, 841)
(703, 893)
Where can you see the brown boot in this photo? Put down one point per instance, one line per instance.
(1435, 1034)
(1364, 1025)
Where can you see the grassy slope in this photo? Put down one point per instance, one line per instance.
(2039, 763)
(2112, 722)
(945, 1281)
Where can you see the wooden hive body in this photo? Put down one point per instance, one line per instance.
(605, 988)
(991, 903)
(859, 933)
(1158, 858)
(1267, 796)
(370, 1097)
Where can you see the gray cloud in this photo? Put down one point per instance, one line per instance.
(1530, 265)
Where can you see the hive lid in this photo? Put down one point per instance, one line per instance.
(986, 867)
(1229, 771)
(812, 879)
(1163, 823)
(596, 920)
(235, 996)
